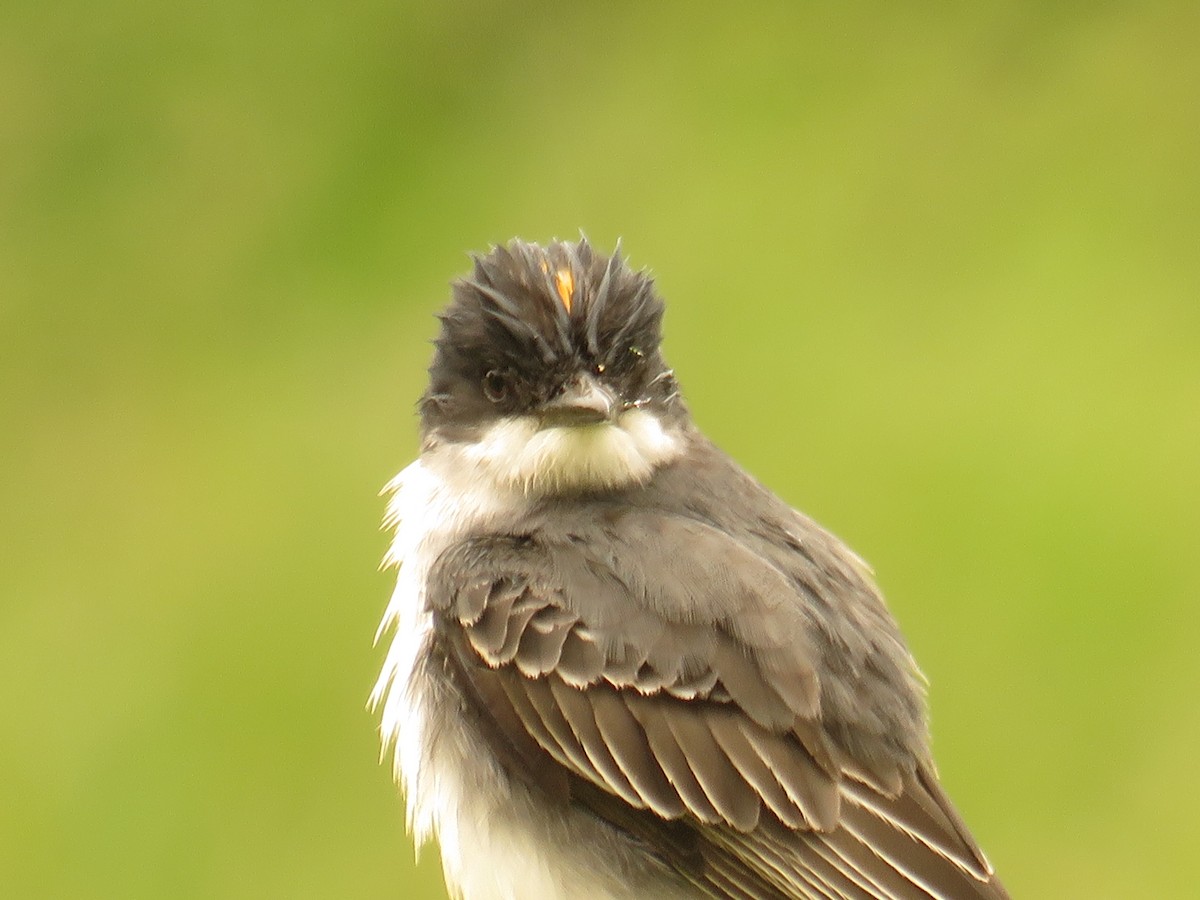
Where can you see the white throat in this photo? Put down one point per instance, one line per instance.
(518, 454)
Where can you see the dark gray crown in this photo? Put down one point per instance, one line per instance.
(564, 300)
(536, 315)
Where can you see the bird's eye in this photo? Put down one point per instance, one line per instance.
(496, 386)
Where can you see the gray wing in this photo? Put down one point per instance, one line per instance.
(681, 700)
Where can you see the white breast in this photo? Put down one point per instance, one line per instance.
(429, 513)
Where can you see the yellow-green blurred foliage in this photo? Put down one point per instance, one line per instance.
(933, 274)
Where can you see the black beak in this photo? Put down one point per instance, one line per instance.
(583, 401)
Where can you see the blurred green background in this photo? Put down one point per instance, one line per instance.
(933, 275)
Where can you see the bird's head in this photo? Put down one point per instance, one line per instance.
(547, 375)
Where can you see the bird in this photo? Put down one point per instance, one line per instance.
(619, 666)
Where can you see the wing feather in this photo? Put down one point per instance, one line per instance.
(582, 660)
(623, 735)
(541, 646)
(933, 873)
(539, 696)
(686, 733)
(727, 731)
(576, 709)
(806, 784)
(531, 719)
(734, 799)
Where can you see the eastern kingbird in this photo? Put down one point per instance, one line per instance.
(623, 668)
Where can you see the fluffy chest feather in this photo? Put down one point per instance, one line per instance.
(429, 513)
